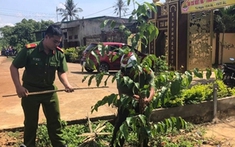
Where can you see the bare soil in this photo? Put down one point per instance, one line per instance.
(222, 132)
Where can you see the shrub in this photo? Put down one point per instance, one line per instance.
(74, 54)
(224, 90)
(197, 94)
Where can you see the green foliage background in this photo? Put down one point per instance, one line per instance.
(22, 33)
(74, 54)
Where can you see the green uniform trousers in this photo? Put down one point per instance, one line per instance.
(50, 106)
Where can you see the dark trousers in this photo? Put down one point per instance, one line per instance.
(50, 106)
(123, 113)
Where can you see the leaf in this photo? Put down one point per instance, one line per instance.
(166, 125)
(111, 99)
(176, 85)
(114, 58)
(84, 79)
(96, 56)
(124, 130)
(218, 74)
(122, 27)
(170, 123)
(128, 120)
(160, 128)
(178, 123)
(114, 78)
(153, 31)
(104, 23)
(128, 2)
(91, 62)
(90, 80)
(189, 76)
(153, 130)
(99, 78)
(173, 119)
(208, 73)
(183, 123)
(142, 118)
(113, 24)
(197, 73)
(106, 80)
(162, 94)
(102, 51)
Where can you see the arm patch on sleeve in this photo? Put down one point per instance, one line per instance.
(31, 45)
(60, 49)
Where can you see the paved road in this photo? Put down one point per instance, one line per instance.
(74, 106)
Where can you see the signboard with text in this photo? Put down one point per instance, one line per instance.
(189, 6)
(172, 33)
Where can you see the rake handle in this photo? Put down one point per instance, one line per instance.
(52, 91)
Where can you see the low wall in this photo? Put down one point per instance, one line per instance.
(194, 113)
(197, 113)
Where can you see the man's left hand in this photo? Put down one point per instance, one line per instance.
(69, 88)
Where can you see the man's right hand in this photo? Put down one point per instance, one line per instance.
(22, 92)
(136, 97)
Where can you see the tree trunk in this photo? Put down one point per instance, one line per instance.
(222, 49)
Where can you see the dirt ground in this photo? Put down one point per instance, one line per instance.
(224, 130)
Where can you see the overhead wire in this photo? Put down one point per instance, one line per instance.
(40, 14)
(100, 11)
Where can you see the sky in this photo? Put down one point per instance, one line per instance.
(13, 11)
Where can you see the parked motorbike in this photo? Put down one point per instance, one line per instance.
(229, 73)
(7, 53)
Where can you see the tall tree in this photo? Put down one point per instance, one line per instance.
(70, 12)
(120, 7)
(224, 23)
(22, 33)
(225, 19)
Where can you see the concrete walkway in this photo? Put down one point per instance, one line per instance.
(75, 107)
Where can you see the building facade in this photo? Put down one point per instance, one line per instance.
(83, 31)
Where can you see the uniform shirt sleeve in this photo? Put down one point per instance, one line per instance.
(63, 64)
(21, 59)
(151, 79)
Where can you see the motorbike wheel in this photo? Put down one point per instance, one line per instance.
(228, 81)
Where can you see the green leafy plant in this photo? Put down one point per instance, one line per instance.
(138, 122)
(165, 134)
(42, 136)
(74, 54)
(173, 88)
(197, 94)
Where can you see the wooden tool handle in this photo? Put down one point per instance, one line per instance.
(52, 91)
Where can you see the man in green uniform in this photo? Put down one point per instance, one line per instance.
(145, 78)
(41, 61)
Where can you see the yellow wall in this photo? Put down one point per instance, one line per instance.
(229, 38)
(129, 42)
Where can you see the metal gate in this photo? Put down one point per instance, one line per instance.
(199, 41)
